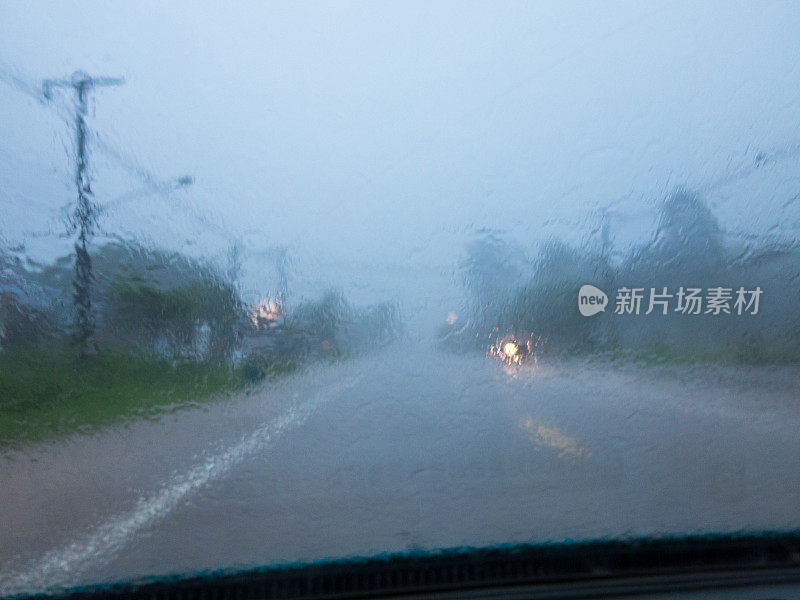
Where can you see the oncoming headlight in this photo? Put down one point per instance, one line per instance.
(510, 349)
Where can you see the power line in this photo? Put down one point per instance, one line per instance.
(42, 93)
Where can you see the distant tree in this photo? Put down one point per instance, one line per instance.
(150, 299)
(688, 243)
(27, 315)
(321, 319)
(547, 305)
(21, 323)
(154, 298)
(688, 227)
(490, 271)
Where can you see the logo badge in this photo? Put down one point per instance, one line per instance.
(591, 300)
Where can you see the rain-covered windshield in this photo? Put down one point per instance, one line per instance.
(284, 282)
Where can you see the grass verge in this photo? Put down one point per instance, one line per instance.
(47, 394)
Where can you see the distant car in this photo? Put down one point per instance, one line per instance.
(513, 349)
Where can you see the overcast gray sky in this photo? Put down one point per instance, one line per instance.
(387, 133)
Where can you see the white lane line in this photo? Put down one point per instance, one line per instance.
(60, 566)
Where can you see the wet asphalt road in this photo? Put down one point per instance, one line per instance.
(406, 449)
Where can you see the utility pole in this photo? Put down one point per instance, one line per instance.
(281, 264)
(85, 215)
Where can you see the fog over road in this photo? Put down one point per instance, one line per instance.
(408, 448)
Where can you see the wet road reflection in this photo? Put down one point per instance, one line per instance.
(409, 448)
(566, 446)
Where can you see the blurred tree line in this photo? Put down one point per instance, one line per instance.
(511, 293)
(168, 305)
(145, 299)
